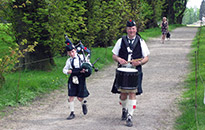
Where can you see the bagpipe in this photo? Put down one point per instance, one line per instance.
(80, 48)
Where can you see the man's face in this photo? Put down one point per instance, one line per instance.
(71, 53)
(131, 31)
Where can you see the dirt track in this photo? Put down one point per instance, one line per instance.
(156, 108)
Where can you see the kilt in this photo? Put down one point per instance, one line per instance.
(139, 86)
(78, 90)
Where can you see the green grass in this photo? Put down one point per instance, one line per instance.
(32, 84)
(155, 32)
(187, 120)
(104, 55)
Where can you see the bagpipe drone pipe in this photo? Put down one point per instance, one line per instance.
(80, 48)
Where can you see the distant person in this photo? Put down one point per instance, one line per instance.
(130, 52)
(164, 28)
(77, 80)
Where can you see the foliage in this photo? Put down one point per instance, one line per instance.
(179, 9)
(105, 21)
(153, 12)
(95, 23)
(191, 16)
(7, 62)
(5, 39)
(74, 19)
(10, 52)
(174, 10)
(57, 15)
(29, 20)
(202, 10)
(192, 106)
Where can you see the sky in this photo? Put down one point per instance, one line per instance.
(194, 3)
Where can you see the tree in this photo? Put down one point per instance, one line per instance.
(202, 10)
(107, 22)
(134, 12)
(104, 22)
(174, 10)
(191, 15)
(179, 8)
(30, 21)
(74, 23)
(95, 23)
(153, 10)
(56, 22)
(8, 61)
(3, 4)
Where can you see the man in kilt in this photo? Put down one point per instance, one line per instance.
(126, 49)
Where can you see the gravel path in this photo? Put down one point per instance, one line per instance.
(156, 107)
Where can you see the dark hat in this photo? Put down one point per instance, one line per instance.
(69, 45)
(131, 23)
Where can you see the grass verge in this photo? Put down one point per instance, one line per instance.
(192, 105)
(23, 87)
(155, 32)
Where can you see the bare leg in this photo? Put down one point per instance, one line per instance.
(163, 38)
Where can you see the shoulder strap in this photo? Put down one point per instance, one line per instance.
(124, 38)
(136, 41)
(79, 60)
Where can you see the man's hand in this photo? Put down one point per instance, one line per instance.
(136, 63)
(69, 71)
(122, 61)
(118, 59)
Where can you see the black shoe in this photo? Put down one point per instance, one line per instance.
(129, 121)
(84, 107)
(71, 116)
(124, 114)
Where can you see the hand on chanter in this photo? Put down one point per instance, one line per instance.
(69, 71)
(82, 71)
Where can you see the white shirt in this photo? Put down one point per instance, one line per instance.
(145, 50)
(68, 65)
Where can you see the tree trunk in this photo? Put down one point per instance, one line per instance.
(179, 19)
(171, 13)
(39, 60)
(2, 80)
(180, 16)
(34, 28)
